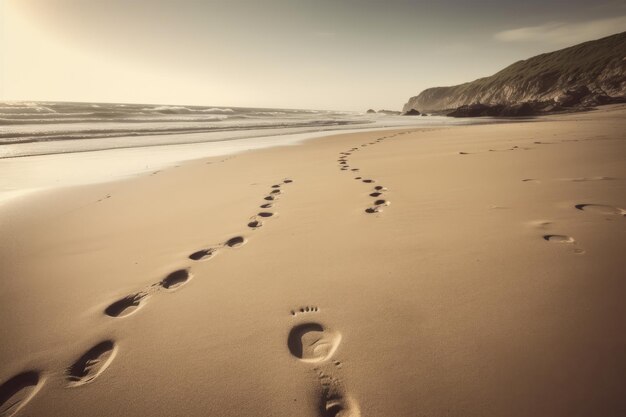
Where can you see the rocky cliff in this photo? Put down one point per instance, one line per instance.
(598, 67)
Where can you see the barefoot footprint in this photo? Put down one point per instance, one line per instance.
(126, 306)
(559, 239)
(93, 362)
(176, 279)
(311, 342)
(18, 391)
(235, 242)
(255, 224)
(563, 239)
(601, 209)
(202, 254)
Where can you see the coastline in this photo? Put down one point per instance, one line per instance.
(56, 164)
(490, 274)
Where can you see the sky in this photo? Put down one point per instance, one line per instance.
(308, 54)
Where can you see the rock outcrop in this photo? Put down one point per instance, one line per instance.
(587, 74)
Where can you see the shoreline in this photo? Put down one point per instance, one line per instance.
(92, 165)
(65, 166)
(74, 145)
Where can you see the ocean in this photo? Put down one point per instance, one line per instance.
(44, 145)
(96, 125)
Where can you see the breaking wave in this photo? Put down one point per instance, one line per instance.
(28, 122)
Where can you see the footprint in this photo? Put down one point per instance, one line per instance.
(358, 178)
(334, 404)
(269, 198)
(275, 192)
(202, 254)
(531, 180)
(375, 194)
(268, 205)
(559, 238)
(381, 203)
(371, 210)
(368, 181)
(89, 366)
(563, 239)
(463, 153)
(265, 214)
(175, 279)
(235, 242)
(380, 188)
(255, 224)
(276, 186)
(18, 391)
(126, 306)
(311, 342)
(601, 209)
(288, 181)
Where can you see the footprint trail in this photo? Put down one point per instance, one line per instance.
(129, 304)
(344, 165)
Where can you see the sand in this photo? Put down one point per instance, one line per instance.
(489, 281)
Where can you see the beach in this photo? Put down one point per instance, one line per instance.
(459, 271)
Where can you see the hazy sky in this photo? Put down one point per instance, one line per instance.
(322, 54)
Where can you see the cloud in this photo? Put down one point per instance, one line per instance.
(562, 33)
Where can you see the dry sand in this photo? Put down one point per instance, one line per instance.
(492, 284)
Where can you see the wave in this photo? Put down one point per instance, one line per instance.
(22, 122)
(217, 110)
(52, 121)
(168, 109)
(25, 109)
(95, 133)
(186, 110)
(269, 113)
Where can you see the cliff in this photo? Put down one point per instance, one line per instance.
(598, 67)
